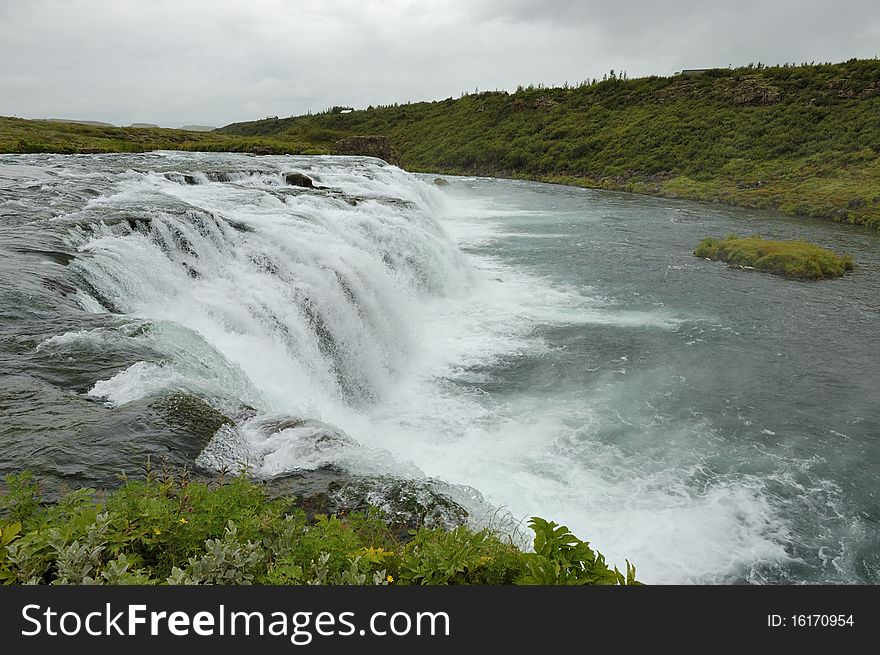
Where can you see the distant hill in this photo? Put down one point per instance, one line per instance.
(198, 128)
(142, 125)
(68, 120)
(18, 135)
(801, 139)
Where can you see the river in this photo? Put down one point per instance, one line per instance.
(532, 349)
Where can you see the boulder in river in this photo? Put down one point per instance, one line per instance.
(406, 504)
(298, 179)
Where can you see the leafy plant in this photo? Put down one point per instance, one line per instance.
(225, 561)
(456, 557)
(166, 529)
(22, 499)
(560, 558)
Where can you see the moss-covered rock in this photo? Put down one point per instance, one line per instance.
(407, 505)
(191, 413)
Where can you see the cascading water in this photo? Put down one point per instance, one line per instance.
(307, 291)
(287, 301)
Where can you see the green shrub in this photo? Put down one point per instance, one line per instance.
(22, 499)
(560, 558)
(170, 530)
(459, 556)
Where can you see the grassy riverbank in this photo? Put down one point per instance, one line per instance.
(799, 139)
(793, 259)
(167, 529)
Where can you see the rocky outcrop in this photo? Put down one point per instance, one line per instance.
(300, 180)
(406, 504)
(367, 146)
(753, 91)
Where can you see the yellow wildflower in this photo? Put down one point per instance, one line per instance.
(390, 579)
(183, 521)
(157, 531)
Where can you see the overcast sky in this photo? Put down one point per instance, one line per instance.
(176, 62)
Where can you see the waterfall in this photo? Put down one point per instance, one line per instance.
(289, 299)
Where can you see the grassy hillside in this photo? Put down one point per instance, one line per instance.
(801, 139)
(19, 135)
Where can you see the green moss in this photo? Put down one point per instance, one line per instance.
(169, 529)
(793, 259)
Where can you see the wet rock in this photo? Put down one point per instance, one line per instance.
(300, 180)
(57, 256)
(61, 287)
(191, 414)
(856, 203)
(439, 181)
(76, 440)
(238, 226)
(230, 176)
(193, 273)
(181, 178)
(272, 425)
(406, 504)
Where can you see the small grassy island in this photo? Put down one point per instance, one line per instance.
(792, 259)
(167, 529)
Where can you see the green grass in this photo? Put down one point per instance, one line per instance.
(792, 259)
(171, 530)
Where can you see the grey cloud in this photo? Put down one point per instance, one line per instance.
(216, 61)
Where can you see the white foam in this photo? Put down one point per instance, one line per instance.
(359, 316)
(88, 303)
(137, 381)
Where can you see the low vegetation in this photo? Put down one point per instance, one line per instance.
(167, 529)
(25, 136)
(793, 259)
